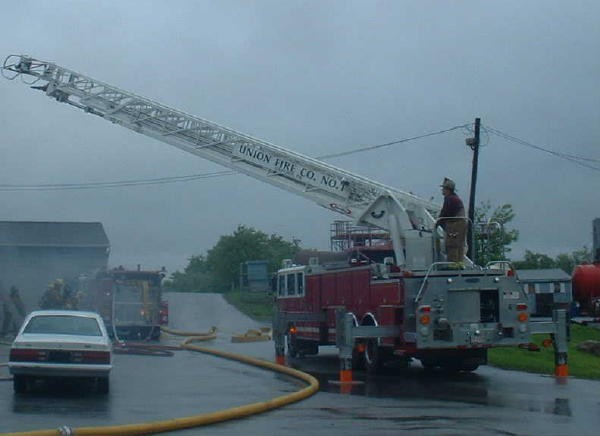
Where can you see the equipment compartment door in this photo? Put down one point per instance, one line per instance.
(463, 306)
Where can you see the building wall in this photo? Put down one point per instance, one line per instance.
(544, 294)
(32, 269)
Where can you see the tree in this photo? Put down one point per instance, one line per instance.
(564, 261)
(219, 270)
(492, 237)
(534, 260)
(195, 276)
(225, 257)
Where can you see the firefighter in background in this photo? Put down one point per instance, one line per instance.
(452, 220)
(52, 297)
(13, 310)
(59, 295)
(15, 299)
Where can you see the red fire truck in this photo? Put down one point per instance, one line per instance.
(442, 316)
(408, 302)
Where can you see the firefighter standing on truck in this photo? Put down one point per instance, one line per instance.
(452, 220)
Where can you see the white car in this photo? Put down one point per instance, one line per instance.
(61, 344)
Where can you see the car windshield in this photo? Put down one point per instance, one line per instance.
(63, 325)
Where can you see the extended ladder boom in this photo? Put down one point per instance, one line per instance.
(408, 218)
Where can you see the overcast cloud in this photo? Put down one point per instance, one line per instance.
(317, 77)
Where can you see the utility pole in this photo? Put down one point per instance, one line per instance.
(474, 144)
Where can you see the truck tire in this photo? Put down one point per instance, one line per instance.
(292, 345)
(455, 360)
(458, 367)
(375, 356)
(469, 367)
(428, 365)
(466, 365)
(307, 348)
(358, 359)
(155, 333)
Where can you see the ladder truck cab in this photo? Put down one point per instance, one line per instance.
(413, 304)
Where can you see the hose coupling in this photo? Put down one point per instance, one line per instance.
(65, 430)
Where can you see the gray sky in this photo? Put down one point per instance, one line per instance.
(316, 77)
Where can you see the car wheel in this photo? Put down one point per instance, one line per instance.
(102, 385)
(20, 383)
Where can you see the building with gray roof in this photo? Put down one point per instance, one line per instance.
(35, 253)
(546, 288)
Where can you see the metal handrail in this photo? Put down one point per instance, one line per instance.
(499, 262)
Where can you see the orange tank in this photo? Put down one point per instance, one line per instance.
(586, 287)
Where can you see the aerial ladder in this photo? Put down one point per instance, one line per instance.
(408, 218)
(417, 242)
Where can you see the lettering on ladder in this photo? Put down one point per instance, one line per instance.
(289, 167)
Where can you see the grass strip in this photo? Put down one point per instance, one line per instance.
(582, 365)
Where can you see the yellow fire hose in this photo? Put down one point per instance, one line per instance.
(206, 418)
(211, 334)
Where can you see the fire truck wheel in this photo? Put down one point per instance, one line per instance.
(155, 333)
(451, 365)
(428, 366)
(292, 345)
(465, 365)
(358, 359)
(375, 356)
(469, 367)
(453, 368)
(306, 348)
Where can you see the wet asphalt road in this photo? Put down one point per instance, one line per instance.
(411, 401)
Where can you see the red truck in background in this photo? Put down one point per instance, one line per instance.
(586, 288)
(129, 301)
(586, 279)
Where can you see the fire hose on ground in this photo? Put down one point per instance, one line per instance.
(145, 348)
(205, 418)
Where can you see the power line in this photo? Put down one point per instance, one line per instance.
(115, 184)
(387, 144)
(579, 160)
(537, 147)
(193, 177)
